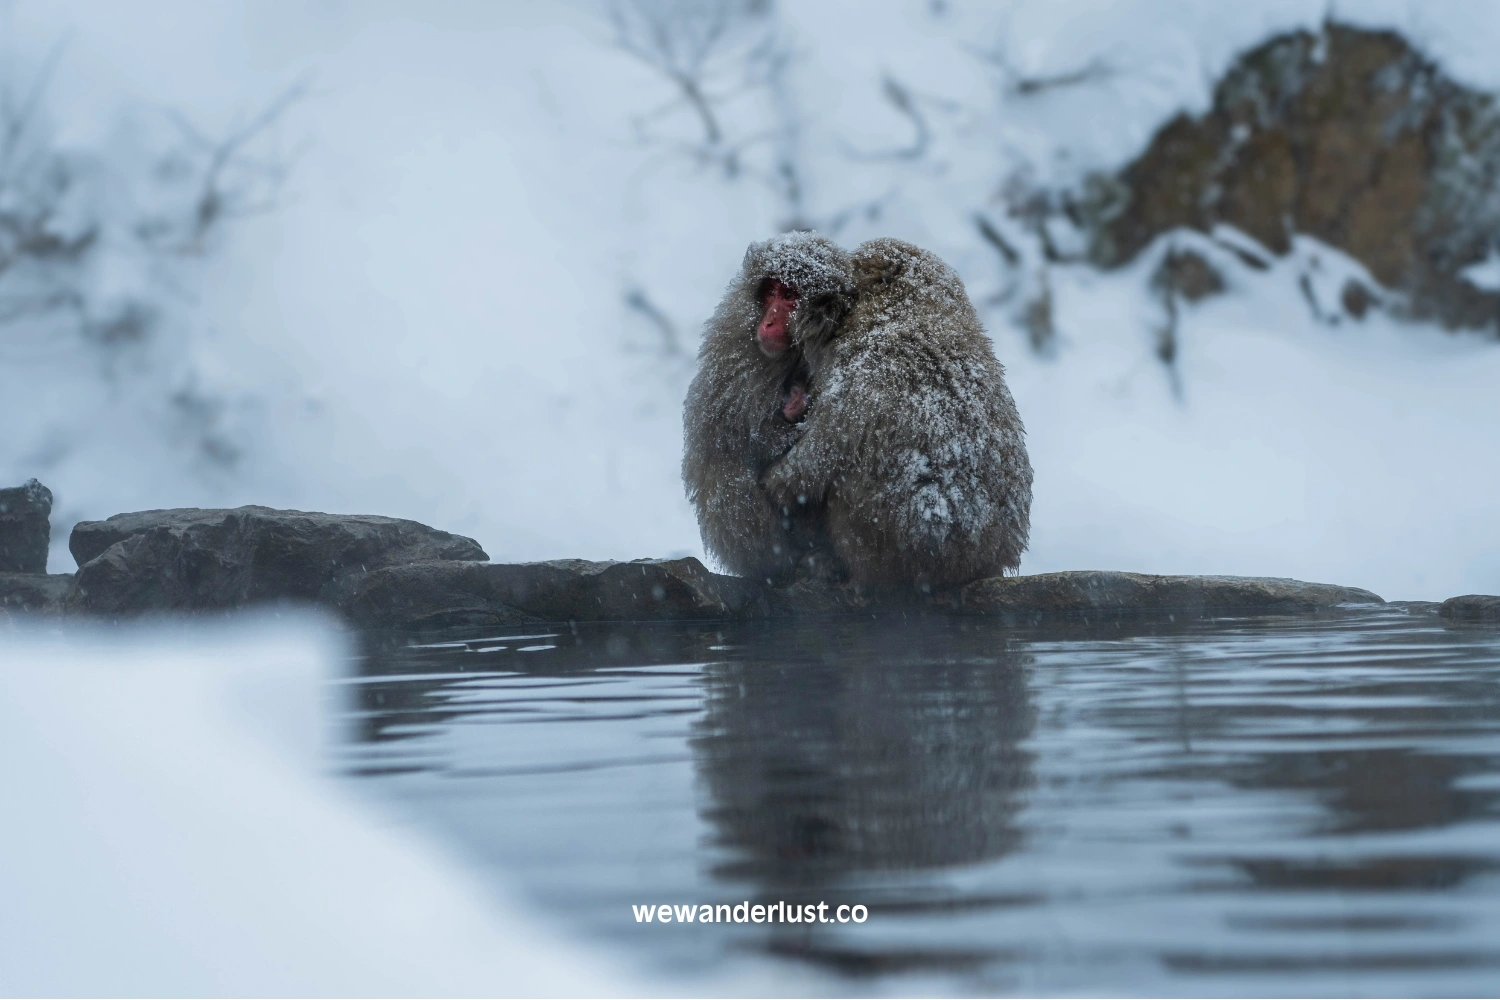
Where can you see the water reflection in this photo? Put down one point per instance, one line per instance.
(863, 754)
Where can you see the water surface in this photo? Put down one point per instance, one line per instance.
(1287, 806)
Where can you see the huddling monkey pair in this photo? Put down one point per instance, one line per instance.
(849, 422)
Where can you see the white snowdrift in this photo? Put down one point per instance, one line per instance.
(167, 832)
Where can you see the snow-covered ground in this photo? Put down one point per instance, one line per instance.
(433, 320)
(169, 831)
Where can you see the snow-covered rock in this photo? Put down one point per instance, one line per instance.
(1349, 135)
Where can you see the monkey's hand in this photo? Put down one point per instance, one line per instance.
(786, 483)
(800, 478)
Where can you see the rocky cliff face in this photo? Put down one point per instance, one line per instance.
(1346, 135)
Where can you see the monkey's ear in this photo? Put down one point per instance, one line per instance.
(878, 272)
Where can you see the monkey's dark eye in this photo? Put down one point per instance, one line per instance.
(776, 288)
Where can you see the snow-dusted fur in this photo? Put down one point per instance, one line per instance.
(912, 440)
(732, 423)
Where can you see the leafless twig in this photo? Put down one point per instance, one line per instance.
(711, 52)
(17, 116)
(676, 40)
(900, 97)
(37, 252)
(638, 301)
(1029, 85)
(231, 182)
(996, 239)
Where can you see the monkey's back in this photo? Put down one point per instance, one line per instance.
(935, 485)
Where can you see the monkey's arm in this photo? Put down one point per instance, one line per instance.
(740, 525)
(802, 476)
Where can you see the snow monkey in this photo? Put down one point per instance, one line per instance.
(912, 443)
(744, 404)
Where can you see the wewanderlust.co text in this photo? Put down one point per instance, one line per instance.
(745, 913)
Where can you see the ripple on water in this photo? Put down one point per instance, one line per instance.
(1293, 805)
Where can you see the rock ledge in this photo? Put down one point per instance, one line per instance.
(194, 559)
(34, 593)
(384, 572)
(1123, 593)
(444, 593)
(1471, 607)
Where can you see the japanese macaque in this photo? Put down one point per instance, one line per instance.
(794, 401)
(912, 446)
(749, 394)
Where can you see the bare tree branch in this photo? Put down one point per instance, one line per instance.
(677, 41)
(637, 301)
(905, 103)
(711, 53)
(996, 239)
(218, 198)
(37, 255)
(1024, 85)
(15, 118)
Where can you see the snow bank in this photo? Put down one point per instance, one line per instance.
(1359, 453)
(168, 832)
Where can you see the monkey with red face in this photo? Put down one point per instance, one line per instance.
(744, 405)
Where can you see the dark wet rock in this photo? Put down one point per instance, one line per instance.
(814, 597)
(35, 593)
(1415, 607)
(25, 530)
(440, 594)
(427, 594)
(194, 559)
(381, 572)
(1121, 593)
(1347, 135)
(1471, 607)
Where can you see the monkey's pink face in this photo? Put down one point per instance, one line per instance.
(794, 403)
(777, 305)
